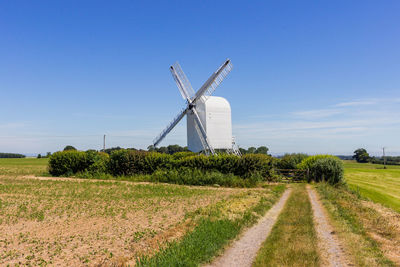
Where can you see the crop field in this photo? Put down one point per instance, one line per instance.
(23, 166)
(49, 220)
(375, 183)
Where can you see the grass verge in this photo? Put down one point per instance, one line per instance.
(293, 240)
(214, 229)
(355, 223)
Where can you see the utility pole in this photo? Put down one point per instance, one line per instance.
(104, 143)
(384, 158)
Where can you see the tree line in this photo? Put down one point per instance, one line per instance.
(172, 149)
(11, 155)
(362, 156)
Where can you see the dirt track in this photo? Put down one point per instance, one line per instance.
(332, 253)
(243, 251)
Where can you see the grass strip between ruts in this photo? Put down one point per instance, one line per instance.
(209, 236)
(293, 240)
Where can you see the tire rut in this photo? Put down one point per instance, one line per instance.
(332, 253)
(243, 251)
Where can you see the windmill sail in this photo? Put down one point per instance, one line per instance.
(170, 126)
(202, 133)
(182, 81)
(215, 79)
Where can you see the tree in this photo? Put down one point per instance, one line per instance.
(251, 150)
(262, 150)
(242, 150)
(361, 155)
(39, 156)
(69, 147)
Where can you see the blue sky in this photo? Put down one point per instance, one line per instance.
(308, 77)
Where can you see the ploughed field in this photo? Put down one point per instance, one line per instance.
(46, 220)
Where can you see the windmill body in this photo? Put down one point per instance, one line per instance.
(215, 115)
(209, 123)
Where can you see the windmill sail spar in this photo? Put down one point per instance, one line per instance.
(202, 133)
(182, 81)
(170, 126)
(216, 78)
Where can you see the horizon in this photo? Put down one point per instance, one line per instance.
(311, 78)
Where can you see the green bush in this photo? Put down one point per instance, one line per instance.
(98, 162)
(154, 161)
(127, 162)
(259, 164)
(183, 154)
(327, 170)
(224, 163)
(190, 176)
(67, 162)
(290, 161)
(323, 168)
(309, 161)
(201, 162)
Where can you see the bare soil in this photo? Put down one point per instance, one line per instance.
(81, 222)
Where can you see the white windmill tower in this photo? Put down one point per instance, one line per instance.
(209, 124)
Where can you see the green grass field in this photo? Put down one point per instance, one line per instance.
(375, 183)
(24, 166)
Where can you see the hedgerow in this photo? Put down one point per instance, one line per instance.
(183, 168)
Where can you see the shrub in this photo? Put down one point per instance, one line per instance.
(324, 168)
(309, 161)
(67, 162)
(290, 161)
(201, 162)
(154, 161)
(97, 161)
(327, 169)
(251, 164)
(224, 163)
(126, 162)
(189, 176)
(183, 154)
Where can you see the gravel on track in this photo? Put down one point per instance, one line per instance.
(332, 253)
(243, 251)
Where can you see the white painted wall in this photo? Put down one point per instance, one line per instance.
(215, 115)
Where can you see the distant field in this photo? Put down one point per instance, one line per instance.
(372, 181)
(23, 166)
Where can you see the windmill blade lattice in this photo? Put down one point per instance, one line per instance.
(182, 81)
(170, 126)
(215, 79)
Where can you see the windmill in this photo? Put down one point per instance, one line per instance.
(209, 124)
